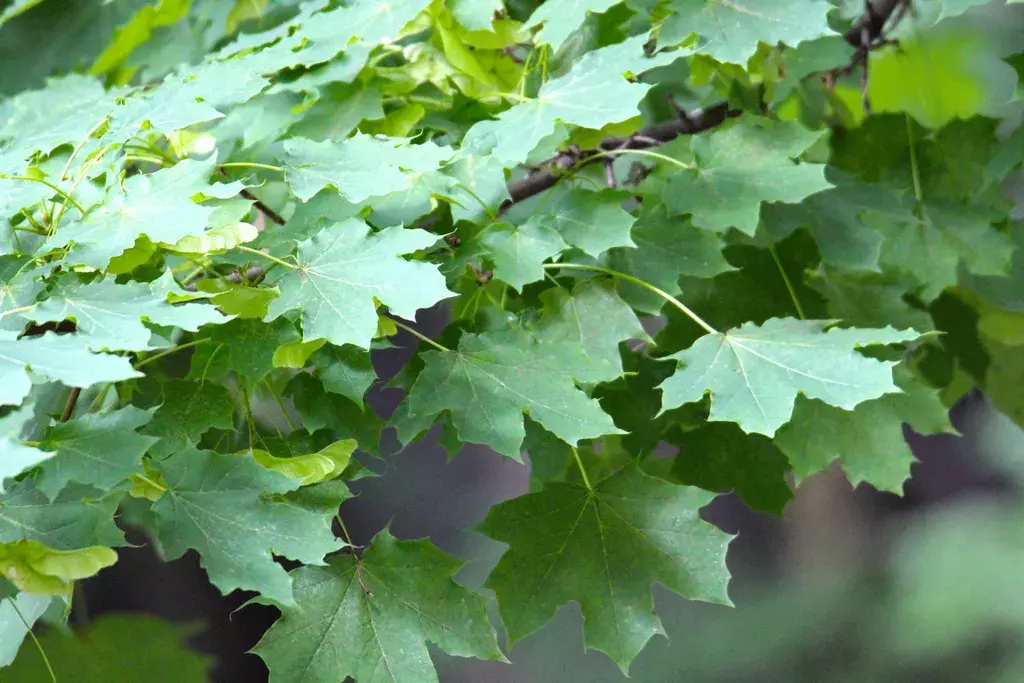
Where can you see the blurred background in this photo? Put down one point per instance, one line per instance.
(850, 585)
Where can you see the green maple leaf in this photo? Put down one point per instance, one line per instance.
(834, 218)
(666, 248)
(733, 29)
(370, 618)
(245, 346)
(561, 17)
(594, 318)
(519, 252)
(583, 97)
(222, 506)
(366, 20)
(344, 268)
(755, 372)
(592, 221)
(868, 441)
(19, 288)
(320, 409)
(101, 449)
(187, 411)
(76, 518)
(344, 370)
(359, 167)
(17, 456)
(604, 548)
(493, 378)
(18, 613)
(158, 205)
(114, 646)
(110, 316)
(740, 165)
(718, 456)
(65, 358)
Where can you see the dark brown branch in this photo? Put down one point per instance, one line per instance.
(651, 136)
(69, 407)
(266, 210)
(870, 27)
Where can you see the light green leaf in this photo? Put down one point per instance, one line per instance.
(493, 378)
(158, 205)
(344, 268)
(604, 548)
(371, 617)
(733, 29)
(218, 238)
(592, 221)
(310, 468)
(360, 167)
(65, 358)
(110, 316)
(519, 252)
(223, 507)
(34, 568)
(101, 449)
(755, 372)
(23, 606)
(740, 165)
(15, 456)
(559, 18)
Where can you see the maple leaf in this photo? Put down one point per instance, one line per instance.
(61, 357)
(110, 316)
(343, 268)
(755, 372)
(604, 548)
(158, 205)
(97, 449)
(187, 411)
(740, 165)
(245, 346)
(561, 17)
(493, 378)
(519, 252)
(344, 370)
(370, 617)
(77, 518)
(223, 506)
(18, 456)
(733, 29)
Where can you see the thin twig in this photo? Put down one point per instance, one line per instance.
(264, 209)
(69, 407)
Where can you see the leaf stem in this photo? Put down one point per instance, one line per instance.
(15, 311)
(149, 481)
(39, 646)
(642, 283)
(249, 164)
(173, 349)
(79, 146)
(69, 407)
(789, 284)
(279, 402)
(50, 185)
(644, 153)
(915, 172)
(583, 471)
(257, 252)
(418, 335)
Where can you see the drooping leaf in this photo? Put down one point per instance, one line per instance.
(344, 370)
(519, 252)
(34, 568)
(343, 268)
(245, 346)
(110, 316)
(78, 517)
(755, 372)
(61, 357)
(370, 617)
(224, 507)
(604, 548)
(492, 379)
